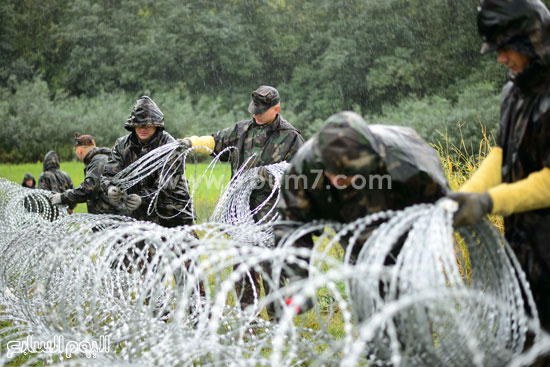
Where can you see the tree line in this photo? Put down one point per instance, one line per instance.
(69, 65)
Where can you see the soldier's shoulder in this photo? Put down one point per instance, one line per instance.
(166, 137)
(285, 125)
(123, 140)
(99, 154)
(305, 157)
(380, 130)
(103, 151)
(243, 124)
(236, 128)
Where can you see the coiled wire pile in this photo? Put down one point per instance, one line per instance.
(165, 296)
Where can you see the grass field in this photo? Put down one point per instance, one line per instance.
(206, 190)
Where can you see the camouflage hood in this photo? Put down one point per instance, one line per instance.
(345, 145)
(145, 113)
(51, 161)
(28, 176)
(522, 25)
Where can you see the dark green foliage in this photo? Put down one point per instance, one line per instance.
(460, 124)
(80, 64)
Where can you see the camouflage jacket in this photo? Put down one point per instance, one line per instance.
(394, 167)
(171, 200)
(89, 190)
(524, 126)
(273, 143)
(52, 178)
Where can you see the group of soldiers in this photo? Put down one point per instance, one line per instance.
(513, 180)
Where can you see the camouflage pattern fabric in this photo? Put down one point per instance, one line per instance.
(524, 129)
(171, 200)
(145, 113)
(52, 178)
(272, 143)
(89, 190)
(393, 166)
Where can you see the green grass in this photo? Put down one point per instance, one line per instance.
(207, 190)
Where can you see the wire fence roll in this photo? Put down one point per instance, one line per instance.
(108, 290)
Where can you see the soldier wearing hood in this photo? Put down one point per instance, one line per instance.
(349, 170)
(514, 179)
(52, 178)
(28, 181)
(89, 191)
(146, 126)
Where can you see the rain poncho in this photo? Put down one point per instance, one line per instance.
(524, 128)
(52, 178)
(393, 169)
(89, 190)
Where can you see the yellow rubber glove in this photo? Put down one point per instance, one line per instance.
(203, 141)
(530, 193)
(488, 174)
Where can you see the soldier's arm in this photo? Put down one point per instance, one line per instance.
(87, 188)
(44, 182)
(70, 187)
(70, 184)
(113, 166)
(531, 193)
(487, 175)
(225, 138)
(204, 144)
(214, 143)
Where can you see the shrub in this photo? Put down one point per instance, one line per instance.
(437, 119)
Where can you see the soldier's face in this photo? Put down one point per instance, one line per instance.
(28, 183)
(81, 151)
(339, 181)
(513, 60)
(78, 152)
(144, 133)
(268, 116)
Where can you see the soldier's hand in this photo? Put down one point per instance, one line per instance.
(114, 194)
(472, 207)
(185, 143)
(55, 199)
(132, 202)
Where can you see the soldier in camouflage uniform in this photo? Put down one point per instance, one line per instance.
(514, 179)
(267, 135)
(349, 170)
(146, 126)
(89, 191)
(54, 179)
(265, 139)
